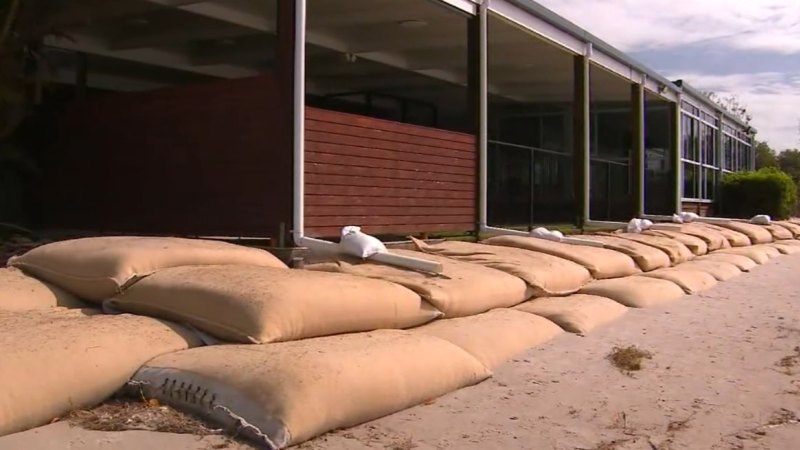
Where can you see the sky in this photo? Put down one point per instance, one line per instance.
(750, 48)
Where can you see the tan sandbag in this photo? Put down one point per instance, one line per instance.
(758, 253)
(264, 304)
(734, 238)
(696, 245)
(792, 242)
(744, 263)
(720, 270)
(20, 292)
(785, 249)
(714, 239)
(690, 280)
(55, 360)
(791, 226)
(493, 337)
(646, 257)
(756, 233)
(100, 267)
(545, 274)
(283, 394)
(778, 232)
(602, 263)
(462, 289)
(677, 252)
(635, 292)
(577, 313)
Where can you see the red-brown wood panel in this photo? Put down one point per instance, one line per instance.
(388, 177)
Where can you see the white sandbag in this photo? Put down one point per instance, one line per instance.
(545, 274)
(100, 267)
(646, 257)
(356, 243)
(20, 292)
(544, 233)
(493, 337)
(720, 270)
(462, 289)
(262, 304)
(761, 219)
(690, 280)
(638, 225)
(696, 245)
(55, 360)
(676, 218)
(688, 217)
(635, 292)
(744, 263)
(601, 262)
(577, 313)
(282, 394)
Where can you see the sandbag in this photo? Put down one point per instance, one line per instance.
(734, 238)
(691, 281)
(493, 337)
(720, 270)
(677, 252)
(713, 238)
(760, 254)
(785, 248)
(744, 263)
(756, 233)
(577, 313)
(602, 263)
(791, 226)
(696, 245)
(545, 274)
(778, 232)
(20, 292)
(461, 289)
(354, 242)
(100, 267)
(646, 257)
(263, 304)
(283, 394)
(56, 360)
(635, 292)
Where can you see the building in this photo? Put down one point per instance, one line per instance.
(292, 118)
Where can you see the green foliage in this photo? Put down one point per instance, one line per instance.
(789, 162)
(765, 191)
(765, 156)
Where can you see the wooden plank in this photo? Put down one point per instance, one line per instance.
(395, 201)
(325, 115)
(399, 229)
(365, 158)
(388, 211)
(393, 174)
(353, 192)
(349, 130)
(344, 180)
(339, 221)
(382, 144)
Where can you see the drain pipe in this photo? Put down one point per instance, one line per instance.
(319, 245)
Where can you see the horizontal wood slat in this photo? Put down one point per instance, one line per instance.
(388, 177)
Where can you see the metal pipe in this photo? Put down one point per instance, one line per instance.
(299, 161)
(483, 115)
(677, 147)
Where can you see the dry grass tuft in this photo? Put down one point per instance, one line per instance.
(628, 359)
(124, 415)
(787, 363)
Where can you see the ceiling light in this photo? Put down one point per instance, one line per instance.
(412, 23)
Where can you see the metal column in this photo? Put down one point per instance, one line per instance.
(582, 136)
(675, 151)
(638, 148)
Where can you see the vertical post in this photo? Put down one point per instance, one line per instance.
(478, 88)
(292, 53)
(582, 133)
(719, 154)
(638, 160)
(675, 151)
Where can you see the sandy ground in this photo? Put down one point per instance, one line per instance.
(715, 382)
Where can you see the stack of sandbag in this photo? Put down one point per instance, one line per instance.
(635, 292)
(493, 337)
(20, 292)
(646, 257)
(756, 233)
(696, 245)
(545, 274)
(714, 239)
(691, 280)
(794, 228)
(734, 237)
(778, 232)
(252, 304)
(760, 254)
(602, 263)
(461, 289)
(579, 313)
(718, 269)
(675, 250)
(786, 246)
(742, 262)
(55, 360)
(282, 394)
(98, 268)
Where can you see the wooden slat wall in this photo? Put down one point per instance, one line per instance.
(699, 208)
(388, 177)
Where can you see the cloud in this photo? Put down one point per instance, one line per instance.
(771, 98)
(765, 25)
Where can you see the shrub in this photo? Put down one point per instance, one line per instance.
(765, 191)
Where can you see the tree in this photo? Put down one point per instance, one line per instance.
(765, 156)
(789, 162)
(731, 104)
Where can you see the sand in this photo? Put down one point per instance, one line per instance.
(721, 377)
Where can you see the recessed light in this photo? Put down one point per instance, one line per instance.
(412, 23)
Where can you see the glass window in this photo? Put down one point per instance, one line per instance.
(709, 178)
(690, 180)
